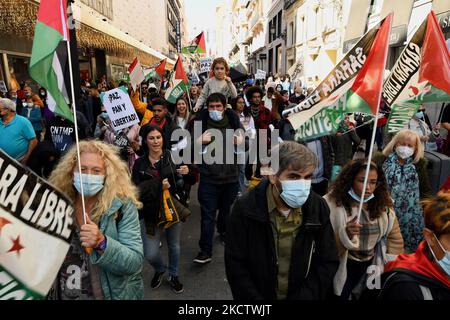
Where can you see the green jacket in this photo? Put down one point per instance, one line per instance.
(120, 265)
(421, 168)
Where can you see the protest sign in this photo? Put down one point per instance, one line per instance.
(36, 221)
(205, 65)
(3, 86)
(260, 75)
(119, 108)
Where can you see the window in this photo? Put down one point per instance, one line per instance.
(271, 60)
(291, 34)
(420, 10)
(279, 60)
(279, 26)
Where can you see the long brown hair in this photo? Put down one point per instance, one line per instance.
(344, 182)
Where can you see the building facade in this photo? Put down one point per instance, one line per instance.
(109, 33)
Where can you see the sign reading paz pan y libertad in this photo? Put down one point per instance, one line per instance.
(119, 108)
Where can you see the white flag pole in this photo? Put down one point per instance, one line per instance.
(75, 122)
(374, 131)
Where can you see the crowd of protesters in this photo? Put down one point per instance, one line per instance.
(293, 233)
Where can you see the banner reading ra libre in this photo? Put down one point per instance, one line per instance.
(36, 221)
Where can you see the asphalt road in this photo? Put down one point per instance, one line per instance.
(201, 282)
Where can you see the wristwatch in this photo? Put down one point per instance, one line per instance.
(101, 246)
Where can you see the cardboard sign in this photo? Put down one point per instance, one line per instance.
(119, 108)
(205, 65)
(3, 86)
(260, 75)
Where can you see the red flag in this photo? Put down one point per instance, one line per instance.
(161, 68)
(435, 64)
(179, 71)
(365, 92)
(200, 42)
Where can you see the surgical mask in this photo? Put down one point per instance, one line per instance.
(404, 152)
(28, 95)
(27, 104)
(104, 114)
(444, 263)
(357, 198)
(419, 114)
(216, 115)
(295, 192)
(14, 97)
(92, 184)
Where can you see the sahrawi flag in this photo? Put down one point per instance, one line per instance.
(352, 86)
(180, 82)
(136, 73)
(35, 229)
(198, 45)
(49, 62)
(420, 75)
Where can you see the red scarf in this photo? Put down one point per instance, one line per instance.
(156, 123)
(419, 263)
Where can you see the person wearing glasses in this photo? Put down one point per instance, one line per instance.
(361, 239)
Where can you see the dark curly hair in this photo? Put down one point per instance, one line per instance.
(253, 90)
(344, 182)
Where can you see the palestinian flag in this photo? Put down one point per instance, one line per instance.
(49, 59)
(420, 75)
(180, 82)
(364, 95)
(136, 73)
(156, 72)
(36, 222)
(197, 46)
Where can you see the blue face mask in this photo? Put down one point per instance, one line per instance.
(216, 115)
(357, 198)
(444, 263)
(295, 192)
(419, 114)
(92, 184)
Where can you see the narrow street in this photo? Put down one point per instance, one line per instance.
(201, 282)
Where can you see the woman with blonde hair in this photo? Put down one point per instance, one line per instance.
(406, 173)
(112, 270)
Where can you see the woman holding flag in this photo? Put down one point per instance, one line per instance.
(105, 259)
(361, 240)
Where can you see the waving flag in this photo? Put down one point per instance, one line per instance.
(136, 73)
(352, 86)
(36, 222)
(180, 82)
(197, 46)
(420, 75)
(49, 59)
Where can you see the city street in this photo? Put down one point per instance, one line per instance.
(201, 282)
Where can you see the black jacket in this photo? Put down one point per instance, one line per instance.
(217, 173)
(402, 284)
(250, 258)
(149, 184)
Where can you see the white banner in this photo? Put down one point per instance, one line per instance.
(260, 75)
(205, 65)
(119, 108)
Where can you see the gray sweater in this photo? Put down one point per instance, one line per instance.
(214, 85)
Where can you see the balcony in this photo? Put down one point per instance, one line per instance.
(254, 19)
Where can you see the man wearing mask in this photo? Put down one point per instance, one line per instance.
(36, 99)
(280, 242)
(219, 181)
(17, 137)
(298, 95)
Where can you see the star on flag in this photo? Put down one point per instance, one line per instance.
(16, 245)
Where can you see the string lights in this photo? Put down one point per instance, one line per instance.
(18, 17)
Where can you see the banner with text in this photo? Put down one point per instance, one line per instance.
(343, 75)
(120, 109)
(36, 221)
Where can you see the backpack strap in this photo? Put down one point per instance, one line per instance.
(427, 296)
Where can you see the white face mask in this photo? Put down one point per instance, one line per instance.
(404, 152)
